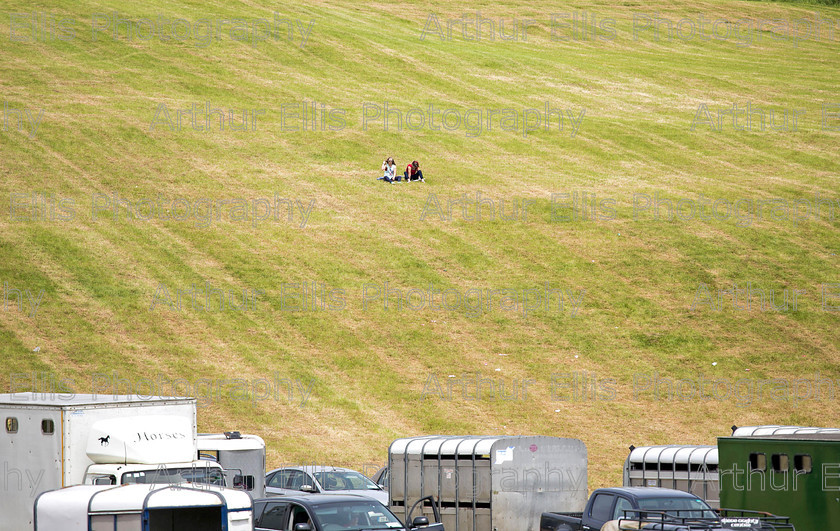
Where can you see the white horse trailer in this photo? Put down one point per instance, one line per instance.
(49, 441)
(143, 508)
(687, 468)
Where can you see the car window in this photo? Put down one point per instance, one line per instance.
(278, 479)
(602, 507)
(341, 480)
(274, 516)
(682, 506)
(355, 516)
(298, 515)
(297, 479)
(623, 504)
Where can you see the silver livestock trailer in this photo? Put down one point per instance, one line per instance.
(694, 468)
(690, 468)
(492, 483)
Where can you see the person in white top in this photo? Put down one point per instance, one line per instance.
(389, 167)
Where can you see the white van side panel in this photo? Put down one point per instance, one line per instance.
(79, 421)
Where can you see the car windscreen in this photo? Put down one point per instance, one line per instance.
(354, 516)
(681, 506)
(341, 480)
(204, 475)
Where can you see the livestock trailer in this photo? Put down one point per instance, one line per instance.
(492, 483)
(792, 471)
(690, 468)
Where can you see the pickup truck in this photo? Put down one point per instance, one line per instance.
(655, 508)
(611, 503)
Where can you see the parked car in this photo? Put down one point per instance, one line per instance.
(321, 479)
(381, 478)
(330, 512)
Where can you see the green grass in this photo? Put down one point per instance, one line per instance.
(369, 364)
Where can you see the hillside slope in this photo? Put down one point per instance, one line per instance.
(333, 376)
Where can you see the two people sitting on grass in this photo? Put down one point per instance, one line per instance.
(389, 170)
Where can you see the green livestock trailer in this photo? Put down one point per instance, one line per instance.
(791, 472)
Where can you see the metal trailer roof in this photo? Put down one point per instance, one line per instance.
(72, 400)
(457, 445)
(771, 429)
(139, 497)
(218, 442)
(675, 453)
(71, 505)
(74, 504)
(443, 444)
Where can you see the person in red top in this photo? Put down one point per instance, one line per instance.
(413, 172)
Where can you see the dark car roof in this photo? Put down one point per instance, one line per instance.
(648, 492)
(318, 499)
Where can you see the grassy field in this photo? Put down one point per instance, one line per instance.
(635, 130)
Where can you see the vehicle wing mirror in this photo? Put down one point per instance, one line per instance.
(303, 527)
(420, 521)
(306, 488)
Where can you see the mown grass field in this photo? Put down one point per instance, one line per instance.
(373, 370)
